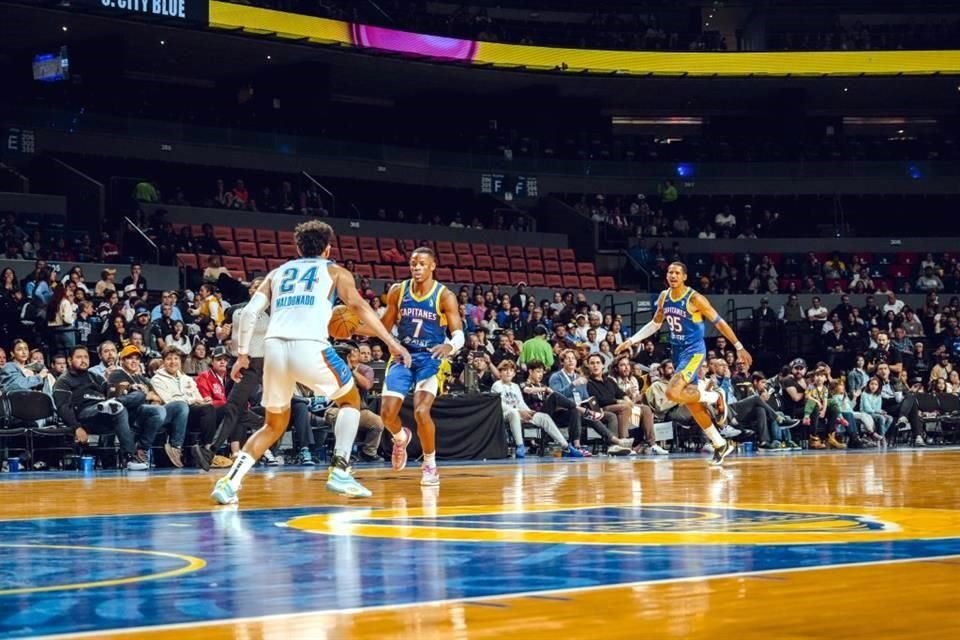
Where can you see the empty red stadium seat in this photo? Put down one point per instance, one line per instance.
(536, 280)
(516, 277)
(461, 248)
(349, 253)
(275, 263)
(444, 246)
(196, 229)
(514, 251)
(366, 242)
(553, 280)
(484, 261)
(518, 264)
(266, 235)
(535, 265)
(466, 259)
(290, 250)
(568, 268)
(255, 266)
(501, 263)
(444, 274)
(247, 249)
(363, 270)
(221, 232)
(463, 276)
(388, 243)
(588, 282)
(586, 269)
(500, 277)
(187, 260)
(233, 264)
(568, 255)
(348, 242)
(481, 276)
(447, 259)
(480, 249)
(243, 234)
(606, 283)
(498, 250)
(286, 237)
(551, 266)
(370, 255)
(229, 247)
(268, 250)
(531, 252)
(383, 271)
(571, 282)
(549, 253)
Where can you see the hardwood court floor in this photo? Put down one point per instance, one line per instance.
(842, 545)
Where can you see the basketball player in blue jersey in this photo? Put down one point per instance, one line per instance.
(296, 349)
(423, 311)
(684, 311)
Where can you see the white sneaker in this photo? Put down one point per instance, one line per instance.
(730, 432)
(618, 450)
(269, 459)
(136, 465)
(656, 449)
(626, 443)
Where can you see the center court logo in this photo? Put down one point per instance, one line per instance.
(639, 524)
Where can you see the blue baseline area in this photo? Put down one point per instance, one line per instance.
(256, 568)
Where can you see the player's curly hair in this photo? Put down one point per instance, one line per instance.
(313, 237)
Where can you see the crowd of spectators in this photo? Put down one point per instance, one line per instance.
(120, 359)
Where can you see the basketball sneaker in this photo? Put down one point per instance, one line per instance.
(719, 453)
(223, 493)
(399, 455)
(342, 482)
(721, 407)
(429, 476)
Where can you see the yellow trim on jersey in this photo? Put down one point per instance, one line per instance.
(672, 299)
(429, 293)
(690, 370)
(441, 316)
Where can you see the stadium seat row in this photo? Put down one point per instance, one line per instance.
(244, 267)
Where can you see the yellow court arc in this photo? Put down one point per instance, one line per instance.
(192, 564)
(823, 525)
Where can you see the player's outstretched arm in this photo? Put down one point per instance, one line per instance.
(707, 311)
(450, 308)
(246, 323)
(646, 331)
(347, 291)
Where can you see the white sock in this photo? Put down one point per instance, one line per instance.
(400, 437)
(710, 397)
(430, 459)
(241, 466)
(345, 429)
(715, 438)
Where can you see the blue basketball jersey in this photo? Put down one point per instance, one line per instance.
(421, 325)
(686, 326)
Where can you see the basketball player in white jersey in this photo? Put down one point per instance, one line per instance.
(300, 295)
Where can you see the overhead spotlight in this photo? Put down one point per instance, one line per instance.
(269, 57)
(63, 28)
(845, 89)
(163, 43)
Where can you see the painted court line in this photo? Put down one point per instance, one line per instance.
(105, 633)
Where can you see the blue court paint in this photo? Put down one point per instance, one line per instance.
(300, 571)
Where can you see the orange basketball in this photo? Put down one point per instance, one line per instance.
(343, 322)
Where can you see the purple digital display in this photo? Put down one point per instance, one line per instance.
(416, 43)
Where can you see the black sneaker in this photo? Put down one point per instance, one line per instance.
(202, 456)
(722, 452)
